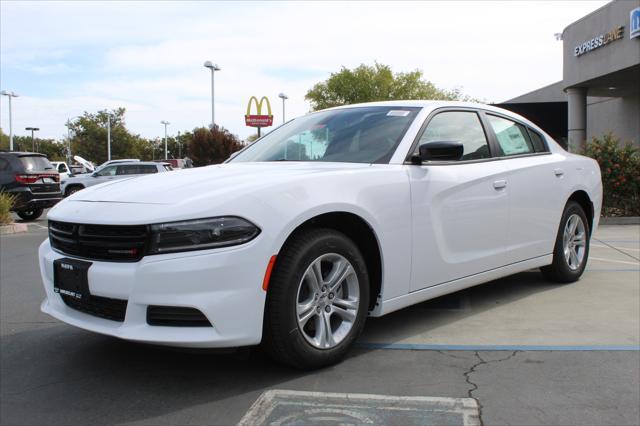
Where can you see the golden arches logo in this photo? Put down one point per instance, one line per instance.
(259, 119)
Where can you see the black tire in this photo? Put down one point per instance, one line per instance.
(283, 339)
(560, 271)
(72, 190)
(32, 214)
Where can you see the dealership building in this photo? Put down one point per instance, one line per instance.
(600, 89)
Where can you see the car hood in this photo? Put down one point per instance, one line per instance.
(224, 180)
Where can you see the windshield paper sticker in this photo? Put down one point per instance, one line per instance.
(397, 113)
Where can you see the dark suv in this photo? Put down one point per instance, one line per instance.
(32, 180)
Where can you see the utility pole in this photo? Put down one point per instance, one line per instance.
(10, 95)
(108, 136)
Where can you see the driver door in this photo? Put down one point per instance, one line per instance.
(460, 208)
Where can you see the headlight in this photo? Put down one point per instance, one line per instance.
(201, 234)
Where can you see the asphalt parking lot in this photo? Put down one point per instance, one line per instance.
(515, 351)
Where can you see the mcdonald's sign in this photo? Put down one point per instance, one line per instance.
(259, 119)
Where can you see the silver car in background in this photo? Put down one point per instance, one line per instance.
(112, 172)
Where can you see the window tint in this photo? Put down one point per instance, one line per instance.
(107, 171)
(513, 138)
(35, 163)
(458, 126)
(137, 169)
(4, 164)
(62, 168)
(538, 141)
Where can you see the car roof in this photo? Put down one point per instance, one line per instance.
(434, 104)
(23, 153)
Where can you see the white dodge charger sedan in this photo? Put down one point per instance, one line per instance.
(337, 215)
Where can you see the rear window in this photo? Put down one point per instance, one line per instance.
(35, 163)
(167, 167)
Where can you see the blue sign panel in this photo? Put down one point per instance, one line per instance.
(635, 23)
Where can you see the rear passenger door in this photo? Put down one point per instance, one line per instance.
(535, 177)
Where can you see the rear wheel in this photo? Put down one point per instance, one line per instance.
(571, 250)
(31, 214)
(317, 300)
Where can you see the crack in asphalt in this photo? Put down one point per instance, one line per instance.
(474, 386)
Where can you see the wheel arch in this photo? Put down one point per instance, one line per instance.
(361, 233)
(582, 198)
(71, 186)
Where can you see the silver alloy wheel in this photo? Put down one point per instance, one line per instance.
(327, 301)
(574, 241)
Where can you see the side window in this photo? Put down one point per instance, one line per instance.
(4, 165)
(62, 168)
(513, 138)
(108, 171)
(460, 126)
(147, 168)
(538, 141)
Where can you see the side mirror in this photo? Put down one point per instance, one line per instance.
(439, 151)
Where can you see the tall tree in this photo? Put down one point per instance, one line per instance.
(212, 146)
(368, 83)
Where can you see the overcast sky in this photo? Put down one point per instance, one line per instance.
(64, 58)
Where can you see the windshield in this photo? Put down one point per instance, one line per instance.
(356, 135)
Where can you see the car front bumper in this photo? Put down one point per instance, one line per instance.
(224, 284)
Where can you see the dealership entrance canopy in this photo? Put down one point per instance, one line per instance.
(600, 90)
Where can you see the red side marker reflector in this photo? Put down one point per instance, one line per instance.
(267, 273)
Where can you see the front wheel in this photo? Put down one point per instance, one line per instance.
(571, 250)
(317, 299)
(31, 214)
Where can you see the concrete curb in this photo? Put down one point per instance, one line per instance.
(13, 228)
(627, 220)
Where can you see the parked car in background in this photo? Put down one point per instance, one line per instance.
(32, 179)
(118, 161)
(63, 170)
(115, 171)
(338, 215)
(178, 163)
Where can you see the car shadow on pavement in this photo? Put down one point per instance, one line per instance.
(62, 375)
(419, 319)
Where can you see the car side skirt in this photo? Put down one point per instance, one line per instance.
(428, 293)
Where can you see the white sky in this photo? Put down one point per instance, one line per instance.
(63, 58)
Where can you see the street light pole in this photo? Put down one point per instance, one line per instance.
(213, 67)
(179, 145)
(166, 123)
(10, 95)
(68, 124)
(283, 97)
(33, 141)
(108, 137)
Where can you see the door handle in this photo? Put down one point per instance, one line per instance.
(558, 172)
(499, 184)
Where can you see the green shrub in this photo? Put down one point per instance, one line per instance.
(6, 201)
(620, 167)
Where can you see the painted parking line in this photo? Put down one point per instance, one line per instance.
(286, 407)
(601, 259)
(524, 348)
(621, 248)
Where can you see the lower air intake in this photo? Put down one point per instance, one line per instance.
(176, 316)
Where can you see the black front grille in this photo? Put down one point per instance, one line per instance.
(126, 243)
(103, 307)
(176, 316)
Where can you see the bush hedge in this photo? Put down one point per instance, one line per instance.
(620, 168)
(6, 201)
